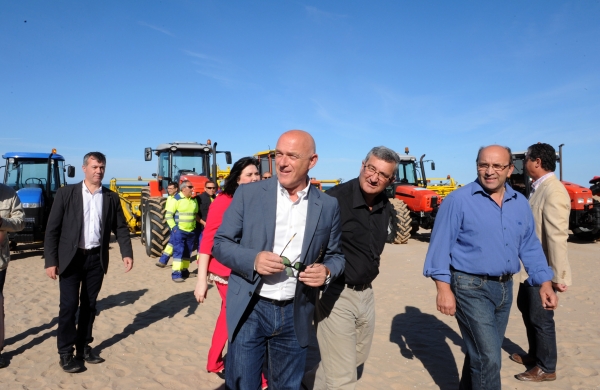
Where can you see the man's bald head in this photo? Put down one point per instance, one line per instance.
(496, 148)
(295, 155)
(301, 137)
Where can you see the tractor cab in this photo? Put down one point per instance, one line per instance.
(584, 219)
(180, 161)
(36, 177)
(266, 162)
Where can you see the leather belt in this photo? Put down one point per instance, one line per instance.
(91, 251)
(501, 278)
(359, 287)
(276, 302)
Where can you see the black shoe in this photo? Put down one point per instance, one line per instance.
(185, 274)
(3, 362)
(89, 357)
(68, 364)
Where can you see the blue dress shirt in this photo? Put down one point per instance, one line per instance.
(475, 235)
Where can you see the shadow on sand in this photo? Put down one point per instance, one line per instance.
(120, 299)
(422, 336)
(165, 309)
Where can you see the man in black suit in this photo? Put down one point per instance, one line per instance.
(206, 198)
(76, 249)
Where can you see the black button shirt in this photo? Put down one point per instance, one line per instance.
(364, 232)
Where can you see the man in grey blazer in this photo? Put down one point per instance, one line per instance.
(281, 240)
(551, 207)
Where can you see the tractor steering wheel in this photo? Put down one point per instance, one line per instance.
(39, 181)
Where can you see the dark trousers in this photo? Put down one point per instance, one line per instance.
(539, 324)
(2, 279)
(79, 287)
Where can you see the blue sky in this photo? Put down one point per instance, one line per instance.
(441, 77)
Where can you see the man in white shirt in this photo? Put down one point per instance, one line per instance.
(281, 240)
(76, 247)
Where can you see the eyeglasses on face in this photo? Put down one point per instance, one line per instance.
(190, 187)
(210, 188)
(371, 171)
(298, 266)
(495, 167)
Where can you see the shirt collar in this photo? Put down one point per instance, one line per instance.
(301, 194)
(85, 189)
(539, 181)
(358, 200)
(509, 193)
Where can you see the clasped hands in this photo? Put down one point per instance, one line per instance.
(269, 263)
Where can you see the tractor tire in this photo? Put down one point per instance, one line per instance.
(156, 230)
(585, 234)
(143, 200)
(399, 225)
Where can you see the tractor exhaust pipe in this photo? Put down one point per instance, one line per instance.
(560, 159)
(423, 171)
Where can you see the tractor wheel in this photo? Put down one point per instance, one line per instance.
(143, 200)
(156, 231)
(584, 234)
(399, 226)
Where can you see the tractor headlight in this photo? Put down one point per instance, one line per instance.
(30, 205)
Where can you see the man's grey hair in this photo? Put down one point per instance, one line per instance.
(510, 156)
(101, 158)
(185, 183)
(385, 154)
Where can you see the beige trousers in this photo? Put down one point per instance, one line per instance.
(345, 321)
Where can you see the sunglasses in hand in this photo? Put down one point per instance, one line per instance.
(298, 266)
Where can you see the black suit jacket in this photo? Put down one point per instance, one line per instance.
(65, 222)
(205, 202)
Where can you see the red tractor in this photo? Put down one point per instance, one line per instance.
(584, 220)
(177, 162)
(413, 204)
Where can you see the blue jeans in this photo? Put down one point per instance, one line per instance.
(539, 324)
(482, 309)
(265, 328)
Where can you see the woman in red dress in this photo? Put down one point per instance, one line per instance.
(244, 171)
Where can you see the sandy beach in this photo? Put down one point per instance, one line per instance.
(154, 335)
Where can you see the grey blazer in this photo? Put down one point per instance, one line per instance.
(249, 227)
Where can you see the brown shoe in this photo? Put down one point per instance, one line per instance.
(536, 374)
(522, 359)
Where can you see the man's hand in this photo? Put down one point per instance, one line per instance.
(268, 263)
(128, 263)
(549, 298)
(445, 301)
(314, 276)
(560, 287)
(201, 290)
(52, 272)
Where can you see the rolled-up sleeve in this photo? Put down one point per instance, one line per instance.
(532, 256)
(443, 237)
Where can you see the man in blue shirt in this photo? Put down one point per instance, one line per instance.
(481, 231)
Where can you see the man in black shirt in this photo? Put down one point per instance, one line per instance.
(345, 313)
(206, 198)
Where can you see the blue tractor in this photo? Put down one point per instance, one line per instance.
(36, 177)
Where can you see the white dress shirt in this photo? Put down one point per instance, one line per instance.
(539, 181)
(290, 220)
(91, 229)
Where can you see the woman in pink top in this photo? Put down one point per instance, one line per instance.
(244, 171)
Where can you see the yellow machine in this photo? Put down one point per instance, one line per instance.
(324, 185)
(266, 162)
(130, 194)
(442, 186)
